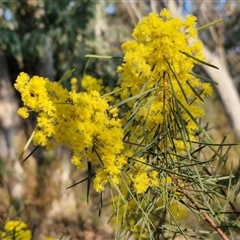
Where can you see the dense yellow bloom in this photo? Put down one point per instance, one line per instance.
(157, 61)
(81, 121)
(15, 230)
(161, 120)
(90, 83)
(143, 176)
(154, 58)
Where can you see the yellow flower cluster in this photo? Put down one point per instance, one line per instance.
(154, 60)
(143, 176)
(82, 121)
(15, 230)
(90, 83)
(157, 70)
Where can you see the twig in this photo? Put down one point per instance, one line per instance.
(204, 214)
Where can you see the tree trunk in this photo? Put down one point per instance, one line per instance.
(9, 126)
(45, 66)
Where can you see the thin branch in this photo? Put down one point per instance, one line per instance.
(196, 206)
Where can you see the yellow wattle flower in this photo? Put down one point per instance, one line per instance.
(15, 230)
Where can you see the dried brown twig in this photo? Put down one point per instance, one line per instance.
(205, 215)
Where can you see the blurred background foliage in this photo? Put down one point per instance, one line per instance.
(38, 33)
(49, 38)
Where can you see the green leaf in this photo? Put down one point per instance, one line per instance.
(205, 79)
(27, 144)
(199, 60)
(194, 90)
(66, 75)
(209, 24)
(89, 180)
(97, 56)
